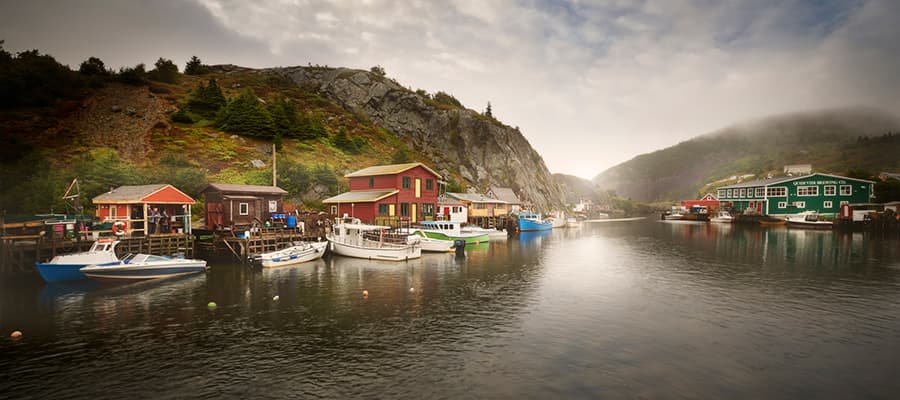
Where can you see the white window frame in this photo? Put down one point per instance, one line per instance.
(807, 191)
(729, 194)
(800, 204)
(833, 190)
(843, 202)
(827, 204)
(778, 191)
(720, 193)
(334, 210)
(243, 208)
(760, 192)
(782, 204)
(849, 190)
(743, 193)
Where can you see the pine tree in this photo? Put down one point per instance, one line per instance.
(165, 71)
(93, 66)
(195, 67)
(284, 117)
(247, 116)
(207, 100)
(487, 112)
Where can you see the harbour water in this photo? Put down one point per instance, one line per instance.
(643, 309)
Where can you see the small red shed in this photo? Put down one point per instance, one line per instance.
(145, 209)
(710, 201)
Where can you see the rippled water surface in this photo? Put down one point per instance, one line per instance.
(638, 310)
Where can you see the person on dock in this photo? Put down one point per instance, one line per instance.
(164, 217)
(153, 221)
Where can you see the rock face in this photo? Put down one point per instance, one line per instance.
(481, 150)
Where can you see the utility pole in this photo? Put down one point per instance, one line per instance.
(274, 168)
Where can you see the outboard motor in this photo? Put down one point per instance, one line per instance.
(460, 246)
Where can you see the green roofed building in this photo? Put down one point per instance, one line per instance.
(823, 193)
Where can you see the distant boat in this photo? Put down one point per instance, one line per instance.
(723, 217)
(695, 213)
(808, 219)
(494, 235)
(373, 242)
(135, 267)
(67, 267)
(428, 244)
(532, 222)
(452, 230)
(300, 252)
(572, 223)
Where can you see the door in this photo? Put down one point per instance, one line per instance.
(392, 209)
(418, 189)
(414, 210)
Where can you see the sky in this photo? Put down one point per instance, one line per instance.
(590, 83)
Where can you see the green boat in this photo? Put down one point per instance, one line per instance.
(449, 230)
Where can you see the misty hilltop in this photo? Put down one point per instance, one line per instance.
(833, 140)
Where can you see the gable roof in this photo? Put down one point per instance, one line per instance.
(247, 189)
(773, 181)
(362, 196)
(445, 199)
(475, 198)
(391, 169)
(144, 194)
(505, 194)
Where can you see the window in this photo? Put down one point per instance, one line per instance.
(780, 191)
(721, 193)
(404, 209)
(800, 204)
(830, 190)
(729, 193)
(760, 192)
(782, 204)
(371, 182)
(427, 209)
(429, 184)
(384, 209)
(846, 190)
(844, 202)
(243, 208)
(479, 206)
(827, 204)
(807, 191)
(743, 193)
(333, 210)
(407, 182)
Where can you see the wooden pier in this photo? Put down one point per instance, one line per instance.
(241, 242)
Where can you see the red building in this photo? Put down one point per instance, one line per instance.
(131, 209)
(709, 200)
(386, 192)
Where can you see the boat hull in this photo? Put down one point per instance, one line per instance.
(60, 272)
(527, 225)
(291, 256)
(120, 273)
(810, 225)
(474, 238)
(373, 252)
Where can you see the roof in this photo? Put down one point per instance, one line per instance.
(475, 198)
(448, 200)
(364, 196)
(143, 194)
(505, 194)
(772, 181)
(248, 189)
(890, 175)
(391, 169)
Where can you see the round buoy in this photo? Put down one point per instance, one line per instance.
(275, 298)
(365, 293)
(16, 335)
(412, 289)
(211, 305)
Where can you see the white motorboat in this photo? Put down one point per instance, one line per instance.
(374, 242)
(494, 235)
(143, 266)
(723, 217)
(428, 244)
(572, 223)
(300, 252)
(808, 219)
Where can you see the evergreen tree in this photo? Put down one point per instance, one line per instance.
(284, 117)
(487, 112)
(207, 100)
(93, 66)
(166, 71)
(195, 67)
(133, 76)
(247, 116)
(378, 70)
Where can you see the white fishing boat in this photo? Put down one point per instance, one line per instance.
(808, 219)
(494, 235)
(67, 267)
(722, 217)
(300, 252)
(428, 244)
(374, 242)
(143, 266)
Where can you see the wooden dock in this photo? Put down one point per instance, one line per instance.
(241, 242)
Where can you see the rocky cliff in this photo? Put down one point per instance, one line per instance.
(481, 150)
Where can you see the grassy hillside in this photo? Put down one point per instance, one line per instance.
(117, 128)
(834, 141)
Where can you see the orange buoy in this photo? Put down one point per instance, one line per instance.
(16, 335)
(365, 293)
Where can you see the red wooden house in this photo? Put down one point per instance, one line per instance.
(385, 192)
(133, 210)
(709, 200)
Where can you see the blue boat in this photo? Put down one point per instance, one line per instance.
(67, 267)
(533, 222)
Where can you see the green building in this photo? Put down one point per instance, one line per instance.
(823, 193)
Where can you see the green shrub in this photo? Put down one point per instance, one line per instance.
(247, 116)
(182, 117)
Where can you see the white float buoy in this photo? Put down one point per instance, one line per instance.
(16, 335)
(275, 298)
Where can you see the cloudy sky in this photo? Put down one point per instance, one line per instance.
(590, 83)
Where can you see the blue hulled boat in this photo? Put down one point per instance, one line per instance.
(533, 222)
(67, 267)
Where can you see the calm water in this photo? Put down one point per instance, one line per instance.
(636, 310)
